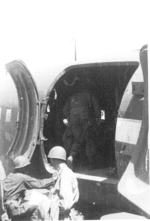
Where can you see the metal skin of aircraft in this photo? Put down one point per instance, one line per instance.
(31, 123)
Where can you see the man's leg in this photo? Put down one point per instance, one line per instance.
(76, 147)
(67, 140)
(90, 150)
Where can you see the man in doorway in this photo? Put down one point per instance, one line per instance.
(82, 114)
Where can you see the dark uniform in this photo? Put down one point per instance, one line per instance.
(83, 114)
(15, 186)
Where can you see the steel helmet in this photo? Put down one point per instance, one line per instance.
(57, 152)
(21, 161)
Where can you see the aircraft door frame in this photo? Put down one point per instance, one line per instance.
(25, 140)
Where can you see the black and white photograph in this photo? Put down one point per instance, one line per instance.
(74, 110)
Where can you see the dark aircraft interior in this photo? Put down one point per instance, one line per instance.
(107, 82)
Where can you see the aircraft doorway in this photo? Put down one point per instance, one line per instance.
(107, 83)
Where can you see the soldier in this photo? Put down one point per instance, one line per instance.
(82, 114)
(65, 192)
(15, 185)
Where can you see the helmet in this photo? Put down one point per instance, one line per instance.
(57, 152)
(21, 161)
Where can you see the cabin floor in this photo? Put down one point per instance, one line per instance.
(100, 169)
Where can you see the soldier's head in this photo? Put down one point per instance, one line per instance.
(21, 164)
(57, 156)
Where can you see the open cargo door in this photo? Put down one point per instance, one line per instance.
(27, 123)
(134, 184)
